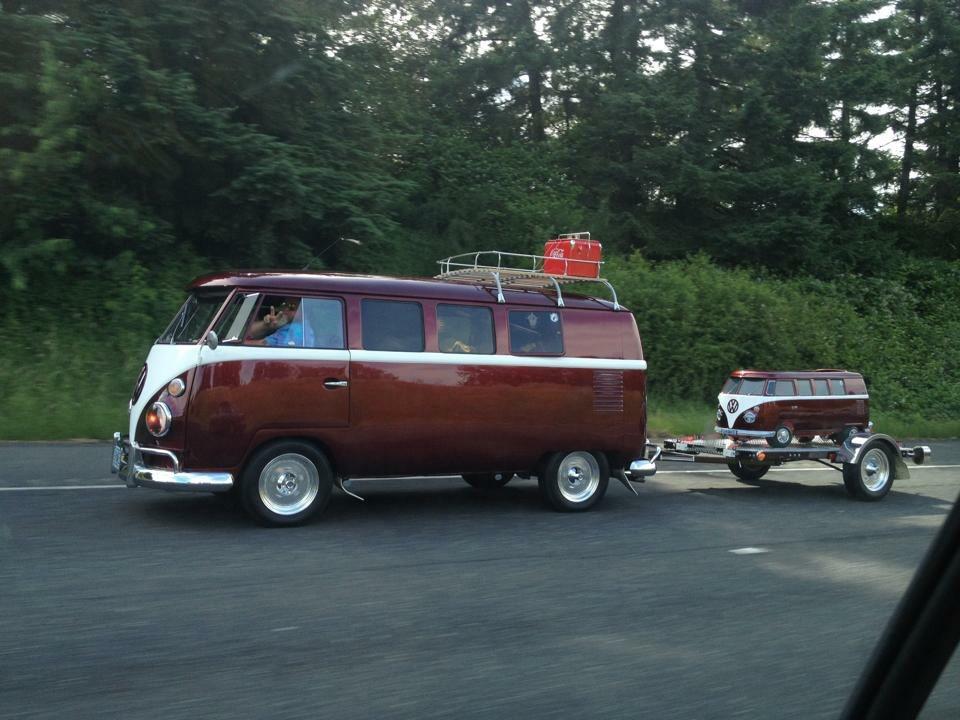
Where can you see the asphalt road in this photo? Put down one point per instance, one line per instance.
(701, 598)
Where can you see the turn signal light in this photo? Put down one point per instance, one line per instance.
(761, 456)
(158, 419)
(176, 387)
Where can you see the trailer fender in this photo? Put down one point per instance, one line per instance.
(857, 444)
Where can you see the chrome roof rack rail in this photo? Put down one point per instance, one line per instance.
(517, 271)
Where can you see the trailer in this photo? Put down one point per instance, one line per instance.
(869, 462)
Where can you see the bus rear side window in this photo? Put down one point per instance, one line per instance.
(836, 387)
(535, 332)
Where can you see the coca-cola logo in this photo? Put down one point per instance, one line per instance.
(733, 406)
(557, 252)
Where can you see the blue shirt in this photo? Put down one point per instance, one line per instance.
(293, 334)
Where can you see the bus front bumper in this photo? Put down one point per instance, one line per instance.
(129, 466)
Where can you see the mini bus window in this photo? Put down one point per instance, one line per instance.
(820, 387)
(392, 325)
(465, 329)
(730, 386)
(784, 388)
(535, 332)
(280, 322)
(836, 387)
(324, 318)
(804, 388)
(855, 386)
(192, 319)
(752, 386)
(230, 327)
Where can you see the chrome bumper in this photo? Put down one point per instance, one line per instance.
(644, 467)
(744, 433)
(134, 473)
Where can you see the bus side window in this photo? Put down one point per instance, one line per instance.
(820, 387)
(535, 332)
(392, 325)
(804, 388)
(836, 387)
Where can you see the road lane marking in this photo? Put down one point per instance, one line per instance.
(61, 487)
(749, 551)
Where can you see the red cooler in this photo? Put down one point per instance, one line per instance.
(574, 254)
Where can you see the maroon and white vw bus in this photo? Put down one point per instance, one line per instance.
(278, 386)
(780, 406)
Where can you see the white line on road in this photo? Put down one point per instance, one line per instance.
(62, 487)
(749, 551)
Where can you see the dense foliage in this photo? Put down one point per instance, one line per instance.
(777, 180)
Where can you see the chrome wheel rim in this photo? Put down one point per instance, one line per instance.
(875, 469)
(289, 484)
(783, 436)
(578, 477)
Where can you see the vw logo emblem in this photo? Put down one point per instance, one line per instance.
(733, 406)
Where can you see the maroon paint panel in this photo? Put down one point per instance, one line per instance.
(428, 419)
(231, 401)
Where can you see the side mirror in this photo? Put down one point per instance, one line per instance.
(211, 340)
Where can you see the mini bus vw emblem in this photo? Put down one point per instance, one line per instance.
(733, 406)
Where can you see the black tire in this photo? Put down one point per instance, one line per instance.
(747, 473)
(574, 481)
(782, 437)
(488, 481)
(871, 477)
(306, 478)
(841, 437)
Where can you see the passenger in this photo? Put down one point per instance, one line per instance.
(282, 326)
(448, 341)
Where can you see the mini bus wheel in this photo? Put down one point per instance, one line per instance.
(747, 473)
(781, 437)
(488, 481)
(286, 483)
(574, 481)
(871, 477)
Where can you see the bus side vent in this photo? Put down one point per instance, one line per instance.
(608, 391)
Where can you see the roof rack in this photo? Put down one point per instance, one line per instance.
(516, 271)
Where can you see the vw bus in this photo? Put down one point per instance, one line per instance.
(780, 406)
(277, 386)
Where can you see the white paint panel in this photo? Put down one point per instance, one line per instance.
(164, 363)
(430, 358)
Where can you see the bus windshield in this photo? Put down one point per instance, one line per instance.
(192, 319)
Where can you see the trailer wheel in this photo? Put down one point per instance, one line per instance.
(781, 437)
(488, 481)
(871, 477)
(286, 483)
(575, 481)
(747, 473)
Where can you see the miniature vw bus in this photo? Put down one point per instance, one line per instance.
(278, 386)
(782, 406)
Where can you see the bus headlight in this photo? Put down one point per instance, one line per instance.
(158, 419)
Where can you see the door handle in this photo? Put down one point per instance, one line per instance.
(331, 384)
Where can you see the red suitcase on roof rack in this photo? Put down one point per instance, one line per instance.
(573, 254)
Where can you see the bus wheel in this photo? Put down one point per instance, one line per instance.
(871, 477)
(781, 437)
(575, 481)
(747, 473)
(488, 481)
(286, 483)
